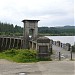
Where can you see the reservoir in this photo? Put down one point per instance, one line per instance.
(63, 39)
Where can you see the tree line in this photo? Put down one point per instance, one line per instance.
(66, 30)
(10, 29)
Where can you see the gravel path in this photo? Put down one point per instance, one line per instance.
(39, 68)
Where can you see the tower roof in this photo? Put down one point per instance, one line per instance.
(30, 20)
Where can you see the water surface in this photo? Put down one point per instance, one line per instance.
(63, 39)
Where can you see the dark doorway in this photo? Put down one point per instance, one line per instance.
(43, 49)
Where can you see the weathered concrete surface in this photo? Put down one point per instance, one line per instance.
(39, 68)
(29, 25)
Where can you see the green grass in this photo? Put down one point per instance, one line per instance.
(21, 55)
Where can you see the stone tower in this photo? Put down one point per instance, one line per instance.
(29, 25)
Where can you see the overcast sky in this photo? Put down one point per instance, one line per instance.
(49, 12)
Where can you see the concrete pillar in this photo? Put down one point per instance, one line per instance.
(36, 46)
(5, 43)
(0, 44)
(68, 46)
(32, 45)
(19, 43)
(61, 45)
(9, 43)
(15, 44)
(22, 41)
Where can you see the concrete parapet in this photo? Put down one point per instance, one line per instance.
(10, 42)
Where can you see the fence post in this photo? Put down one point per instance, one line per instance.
(59, 56)
(71, 52)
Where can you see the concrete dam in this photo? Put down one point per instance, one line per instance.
(40, 43)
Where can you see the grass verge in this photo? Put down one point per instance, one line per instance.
(21, 55)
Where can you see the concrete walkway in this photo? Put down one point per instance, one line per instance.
(39, 68)
(64, 54)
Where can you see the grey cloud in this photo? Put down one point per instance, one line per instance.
(58, 22)
(49, 14)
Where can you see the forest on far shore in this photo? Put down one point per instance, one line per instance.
(9, 29)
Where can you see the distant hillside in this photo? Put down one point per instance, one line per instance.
(66, 30)
(9, 29)
(67, 27)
